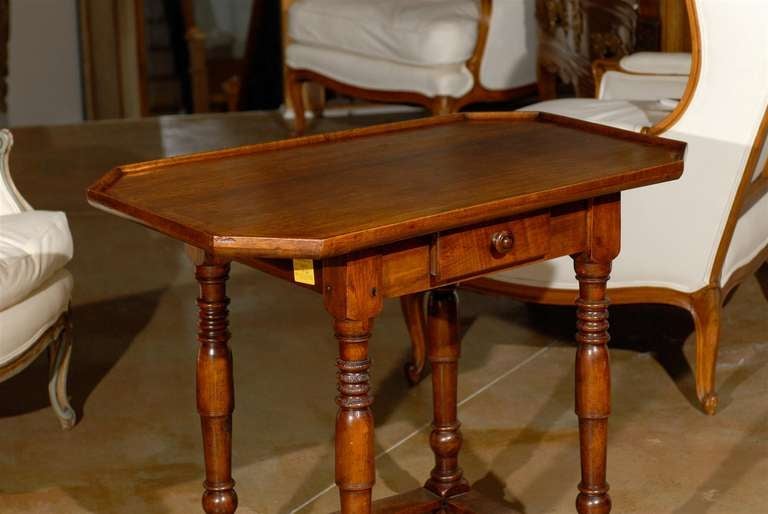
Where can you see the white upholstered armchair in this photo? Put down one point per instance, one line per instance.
(35, 288)
(441, 54)
(687, 243)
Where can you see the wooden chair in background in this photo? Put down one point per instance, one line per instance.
(693, 241)
(441, 55)
(217, 64)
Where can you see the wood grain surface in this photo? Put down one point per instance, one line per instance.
(329, 195)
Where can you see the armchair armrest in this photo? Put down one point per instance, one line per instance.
(657, 63)
(11, 201)
(642, 76)
(483, 27)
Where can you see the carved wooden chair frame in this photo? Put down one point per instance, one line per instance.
(57, 338)
(705, 305)
(296, 78)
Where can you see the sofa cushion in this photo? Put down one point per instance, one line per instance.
(33, 246)
(427, 32)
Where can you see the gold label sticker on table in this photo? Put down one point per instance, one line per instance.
(304, 271)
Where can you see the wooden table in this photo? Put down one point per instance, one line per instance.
(364, 215)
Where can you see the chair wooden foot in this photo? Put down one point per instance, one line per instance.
(316, 99)
(231, 89)
(443, 105)
(59, 353)
(296, 93)
(706, 308)
(413, 312)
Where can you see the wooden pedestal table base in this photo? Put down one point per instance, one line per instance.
(389, 212)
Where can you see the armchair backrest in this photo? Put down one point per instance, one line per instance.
(509, 60)
(11, 202)
(706, 237)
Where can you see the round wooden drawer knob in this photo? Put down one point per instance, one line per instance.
(502, 241)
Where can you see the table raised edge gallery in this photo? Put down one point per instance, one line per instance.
(389, 211)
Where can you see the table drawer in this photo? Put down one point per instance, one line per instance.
(471, 251)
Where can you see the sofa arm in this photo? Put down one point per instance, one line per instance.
(11, 201)
(642, 76)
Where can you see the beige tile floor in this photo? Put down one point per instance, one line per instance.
(137, 447)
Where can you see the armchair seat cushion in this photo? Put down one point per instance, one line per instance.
(22, 324)
(423, 33)
(34, 245)
(448, 80)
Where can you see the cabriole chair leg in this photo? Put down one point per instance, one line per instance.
(706, 309)
(413, 312)
(59, 354)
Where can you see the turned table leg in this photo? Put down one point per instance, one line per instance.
(352, 298)
(215, 391)
(446, 478)
(355, 473)
(592, 385)
(593, 374)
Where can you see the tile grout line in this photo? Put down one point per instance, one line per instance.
(402, 441)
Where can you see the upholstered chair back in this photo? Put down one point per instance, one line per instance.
(723, 121)
(11, 202)
(510, 53)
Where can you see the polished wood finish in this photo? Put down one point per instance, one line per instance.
(593, 387)
(416, 501)
(693, 79)
(675, 29)
(413, 310)
(352, 298)
(464, 156)
(500, 245)
(447, 478)
(215, 389)
(474, 502)
(298, 79)
(374, 227)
